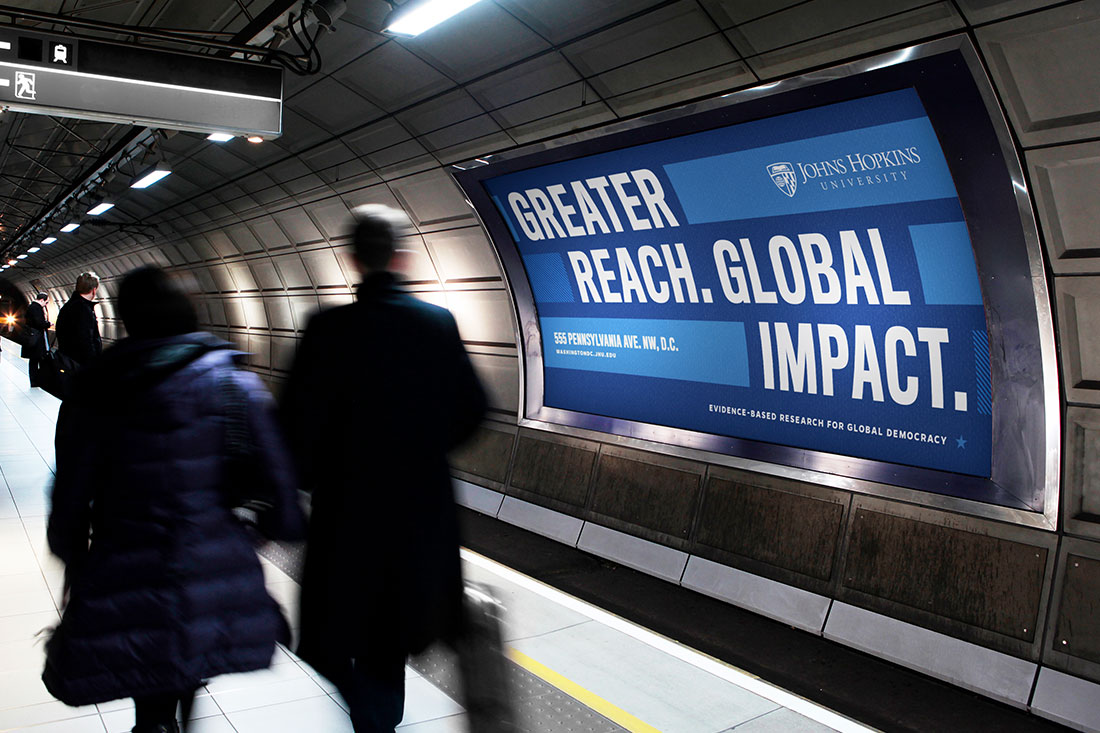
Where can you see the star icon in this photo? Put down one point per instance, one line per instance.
(961, 441)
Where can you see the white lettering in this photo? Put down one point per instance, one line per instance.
(680, 272)
(727, 275)
(889, 295)
(599, 185)
(791, 294)
(545, 213)
(605, 276)
(830, 360)
(900, 335)
(866, 369)
(654, 196)
(632, 284)
(565, 210)
(934, 337)
(582, 272)
(857, 274)
(820, 267)
(618, 180)
(649, 257)
(798, 364)
(758, 293)
(589, 211)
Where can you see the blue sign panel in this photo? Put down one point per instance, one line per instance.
(806, 280)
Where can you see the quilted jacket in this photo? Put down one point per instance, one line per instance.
(165, 588)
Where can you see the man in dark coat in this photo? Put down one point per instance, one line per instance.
(35, 344)
(380, 391)
(77, 326)
(169, 590)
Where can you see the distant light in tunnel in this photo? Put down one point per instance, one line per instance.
(151, 176)
(32, 250)
(20, 257)
(12, 263)
(254, 139)
(70, 227)
(415, 17)
(97, 210)
(220, 137)
(49, 240)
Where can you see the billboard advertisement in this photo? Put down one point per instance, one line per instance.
(825, 274)
(806, 279)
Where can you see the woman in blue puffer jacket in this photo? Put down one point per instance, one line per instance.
(164, 587)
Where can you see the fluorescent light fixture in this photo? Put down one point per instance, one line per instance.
(32, 250)
(12, 263)
(220, 137)
(254, 139)
(49, 240)
(97, 210)
(72, 226)
(20, 257)
(417, 16)
(151, 176)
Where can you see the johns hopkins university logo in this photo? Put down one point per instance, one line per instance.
(783, 177)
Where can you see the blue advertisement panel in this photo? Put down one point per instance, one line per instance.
(806, 280)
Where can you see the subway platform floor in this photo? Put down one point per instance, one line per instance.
(576, 666)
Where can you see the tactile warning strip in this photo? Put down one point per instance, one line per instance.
(540, 708)
(287, 556)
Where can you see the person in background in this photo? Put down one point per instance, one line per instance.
(36, 344)
(77, 326)
(168, 591)
(391, 382)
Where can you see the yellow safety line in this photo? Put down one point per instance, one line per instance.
(583, 696)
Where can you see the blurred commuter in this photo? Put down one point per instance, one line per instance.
(390, 382)
(169, 591)
(77, 326)
(36, 344)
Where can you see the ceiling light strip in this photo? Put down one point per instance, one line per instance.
(426, 15)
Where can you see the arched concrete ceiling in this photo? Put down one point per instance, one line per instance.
(261, 226)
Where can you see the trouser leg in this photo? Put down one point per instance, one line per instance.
(155, 710)
(160, 710)
(32, 370)
(374, 690)
(187, 701)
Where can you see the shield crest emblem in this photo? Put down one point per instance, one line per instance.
(783, 177)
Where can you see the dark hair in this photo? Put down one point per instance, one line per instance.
(41, 296)
(375, 233)
(153, 304)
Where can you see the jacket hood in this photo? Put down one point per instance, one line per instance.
(133, 366)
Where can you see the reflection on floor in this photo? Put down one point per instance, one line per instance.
(581, 668)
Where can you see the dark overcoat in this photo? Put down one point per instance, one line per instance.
(78, 330)
(379, 392)
(169, 591)
(34, 344)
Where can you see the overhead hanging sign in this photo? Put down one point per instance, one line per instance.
(92, 79)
